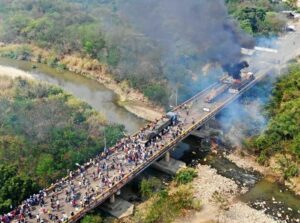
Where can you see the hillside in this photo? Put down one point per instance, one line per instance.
(282, 135)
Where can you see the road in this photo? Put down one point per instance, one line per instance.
(288, 47)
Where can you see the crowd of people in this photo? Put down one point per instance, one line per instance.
(93, 180)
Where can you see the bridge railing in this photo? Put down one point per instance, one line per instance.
(109, 192)
(105, 195)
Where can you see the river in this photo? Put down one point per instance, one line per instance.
(95, 94)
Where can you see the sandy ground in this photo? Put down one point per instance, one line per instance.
(209, 183)
(142, 110)
(13, 72)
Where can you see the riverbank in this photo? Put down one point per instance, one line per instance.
(271, 171)
(131, 99)
(218, 196)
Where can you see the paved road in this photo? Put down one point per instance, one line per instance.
(288, 47)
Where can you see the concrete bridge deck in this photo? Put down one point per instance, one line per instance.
(57, 203)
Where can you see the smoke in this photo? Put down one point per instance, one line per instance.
(184, 26)
(246, 117)
(235, 69)
(242, 119)
(197, 41)
(190, 34)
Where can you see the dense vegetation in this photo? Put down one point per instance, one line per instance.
(43, 133)
(90, 29)
(14, 187)
(283, 131)
(259, 17)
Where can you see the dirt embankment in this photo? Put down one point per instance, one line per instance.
(133, 100)
(218, 196)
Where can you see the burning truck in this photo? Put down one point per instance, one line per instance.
(233, 81)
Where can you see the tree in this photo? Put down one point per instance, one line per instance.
(157, 92)
(14, 187)
(252, 16)
(283, 131)
(45, 169)
(44, 131)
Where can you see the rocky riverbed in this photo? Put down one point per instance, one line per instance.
(218, 195)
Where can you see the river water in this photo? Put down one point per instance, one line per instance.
(95, 94)
(272, 197)
(264, 194)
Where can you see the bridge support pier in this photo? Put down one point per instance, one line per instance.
(112, 199)
(167, 157)
(168, 165)
(118, 207)
(206, 132)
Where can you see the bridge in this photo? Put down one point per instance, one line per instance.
(104, 176)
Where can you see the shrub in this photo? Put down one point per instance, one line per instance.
(287, 167)
(148, 186)
(167, 206)
(185, 176)
(262, 158)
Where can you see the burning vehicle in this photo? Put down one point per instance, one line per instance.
(232, 82)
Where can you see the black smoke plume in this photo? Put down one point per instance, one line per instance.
(190, 34)
(234, 70)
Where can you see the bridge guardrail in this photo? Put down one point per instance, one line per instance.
(104, 196)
